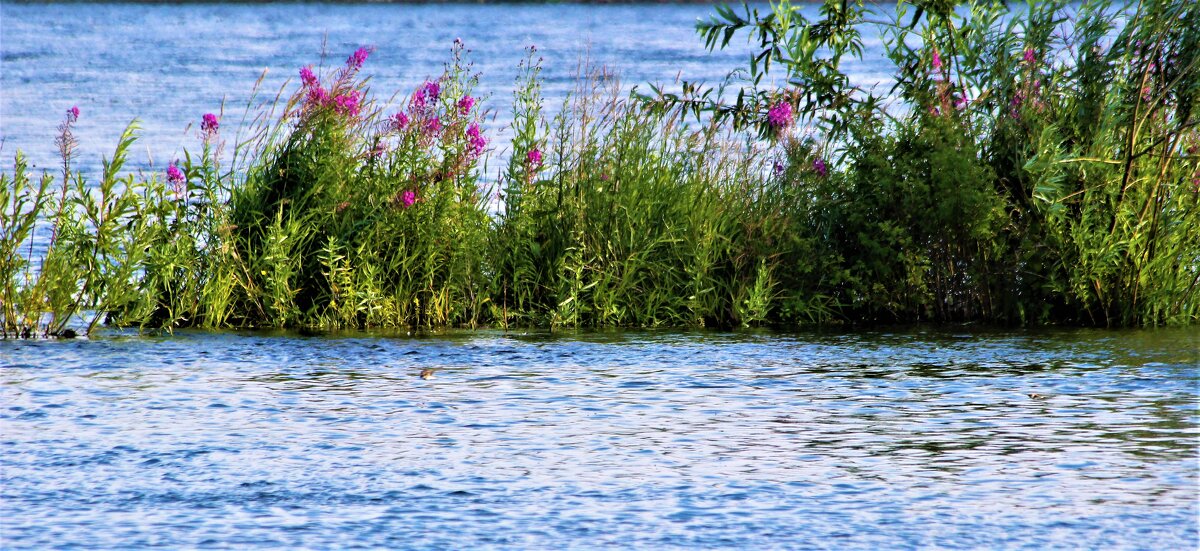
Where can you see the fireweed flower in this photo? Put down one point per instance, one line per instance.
(1030, 56)
(937, 61)
(476, 139)
(819, 166)
(780, 116)
(177, 180)
(433, 126)
(308, 78)
(73, 113)
(347, 104)
(408, 198)
(209, 124)
(465, 104)
(317, 96)
(174, 175)
(399, 121)
(778, 168)
(356, 59)
(432, 90)
(533, 158)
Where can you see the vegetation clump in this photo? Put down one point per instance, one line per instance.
(1027, 167)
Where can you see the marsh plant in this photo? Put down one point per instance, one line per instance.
(1039, 164)
(1029, 165)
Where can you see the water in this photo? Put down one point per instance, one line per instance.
(167, 64)
(919, 438)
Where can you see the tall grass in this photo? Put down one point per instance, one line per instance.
(1031, 172)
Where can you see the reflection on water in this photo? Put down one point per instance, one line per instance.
(633, 439)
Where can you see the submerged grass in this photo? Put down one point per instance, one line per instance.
(1035, 174)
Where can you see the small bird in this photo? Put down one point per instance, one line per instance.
(1036, 396)
(427, 373)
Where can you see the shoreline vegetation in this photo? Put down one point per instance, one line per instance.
(1025, 170)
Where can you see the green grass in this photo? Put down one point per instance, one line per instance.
(1029, 177)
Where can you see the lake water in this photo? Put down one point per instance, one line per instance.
(873, 440)
(166, 65)
(920, 438)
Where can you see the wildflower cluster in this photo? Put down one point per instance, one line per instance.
(533, 159)
(341, 97)
(779, 116)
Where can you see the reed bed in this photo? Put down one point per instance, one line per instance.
(1022, 171)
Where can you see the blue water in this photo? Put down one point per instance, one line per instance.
(868, 440)
(166, 65)
(918, 438)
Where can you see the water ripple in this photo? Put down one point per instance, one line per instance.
(627, 439)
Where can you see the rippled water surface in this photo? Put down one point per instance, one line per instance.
(630, 439)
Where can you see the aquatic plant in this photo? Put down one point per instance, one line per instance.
(1027, 173)
(1032, 174)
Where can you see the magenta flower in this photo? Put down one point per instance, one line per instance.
(174, 175)
(476, 139)
(308, 78)
(819, 166)
(399, 121)
(533, 158)
(1030, 56)
(317, 96)
(428, 93)
(960, 103)
(73, 113)
(178, 181)
(778, 168)
(465, 104)
(432, 90)
(408, 198)
(433, 126)
(780, 116)
(356, 59)
(937, 61)
(347, 104)
(209, 123)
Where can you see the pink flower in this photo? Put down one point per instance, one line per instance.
(317, 96)
(960, 103)
(428, 93)
(308, 78)
(465, 104)
(780, 116)
(73, 113)
(432, 90)
(408, 198)
(937, 61)
(533, 158)
(476, 139)
(209, 124)
(399, 121)
(433, 126)
(178, 181)
(1030, 56)
(356, 59)
(819, 166)
(174, 175)
(347, 104)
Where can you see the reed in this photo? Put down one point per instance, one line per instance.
(1023, 171)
